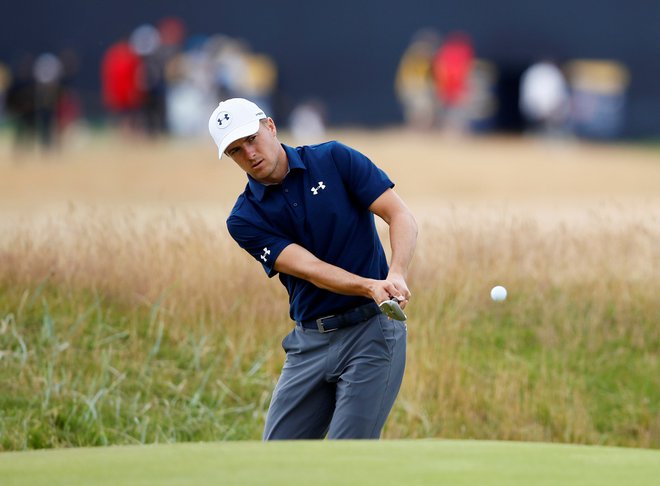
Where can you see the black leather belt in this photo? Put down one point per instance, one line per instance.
(345, 319)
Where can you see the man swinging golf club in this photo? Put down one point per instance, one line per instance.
(307, 214)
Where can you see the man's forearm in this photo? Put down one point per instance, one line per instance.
(297, 261)
(403, 239)
(337, 280)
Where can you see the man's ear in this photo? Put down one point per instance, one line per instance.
(270, 123)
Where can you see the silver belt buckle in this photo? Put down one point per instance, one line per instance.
(319, 324)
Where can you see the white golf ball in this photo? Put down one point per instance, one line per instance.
(498, 293)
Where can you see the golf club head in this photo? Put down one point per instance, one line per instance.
(392, 309)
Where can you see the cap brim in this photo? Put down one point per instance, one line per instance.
(237, 133)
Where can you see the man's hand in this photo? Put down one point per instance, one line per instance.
(393, 287)
(403, 295)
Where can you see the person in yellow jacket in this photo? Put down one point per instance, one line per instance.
(414, 81)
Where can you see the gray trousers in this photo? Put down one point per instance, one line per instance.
(340, 384)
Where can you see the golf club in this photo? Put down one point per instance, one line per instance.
(392, 309)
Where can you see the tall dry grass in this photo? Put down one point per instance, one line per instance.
(570, 356)
(121, 327)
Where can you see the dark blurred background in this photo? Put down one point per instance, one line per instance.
(343, 57)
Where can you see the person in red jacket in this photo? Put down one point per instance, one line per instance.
(452, 65)
(122, 83)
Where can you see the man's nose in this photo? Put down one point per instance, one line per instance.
(250, 151)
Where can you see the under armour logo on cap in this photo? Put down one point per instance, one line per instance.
(224, 119)
(232, 120)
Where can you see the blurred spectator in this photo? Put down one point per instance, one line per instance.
(230, 68)
(190, 89)
(186, 102)
(306, 122)
(260, 80)
(172, 33)
(47, 73)
(544, 98)
(20, 103)
(482, 103)
(598, 97)
(69, 108)
(147, 42)
(452, 64)
(122, 73)
(5, 82)
(414, 80)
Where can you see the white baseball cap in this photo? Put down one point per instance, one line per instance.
(233, 119)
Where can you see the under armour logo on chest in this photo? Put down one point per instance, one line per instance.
(264, 257)
(316, 189)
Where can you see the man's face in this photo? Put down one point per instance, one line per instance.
(260, 155)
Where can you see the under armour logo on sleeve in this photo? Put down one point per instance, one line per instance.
(316, 189)
(264, 257)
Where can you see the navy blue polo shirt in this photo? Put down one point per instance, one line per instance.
(321, 205)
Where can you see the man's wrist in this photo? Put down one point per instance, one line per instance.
(395, 270)
(368, 288)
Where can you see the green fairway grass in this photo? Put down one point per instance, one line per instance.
(340, 463)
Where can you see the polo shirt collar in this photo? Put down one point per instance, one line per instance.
(295, 162)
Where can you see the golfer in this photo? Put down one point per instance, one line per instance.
(307, 214)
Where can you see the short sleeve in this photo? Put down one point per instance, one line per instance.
(264, 244)
(360, 175)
